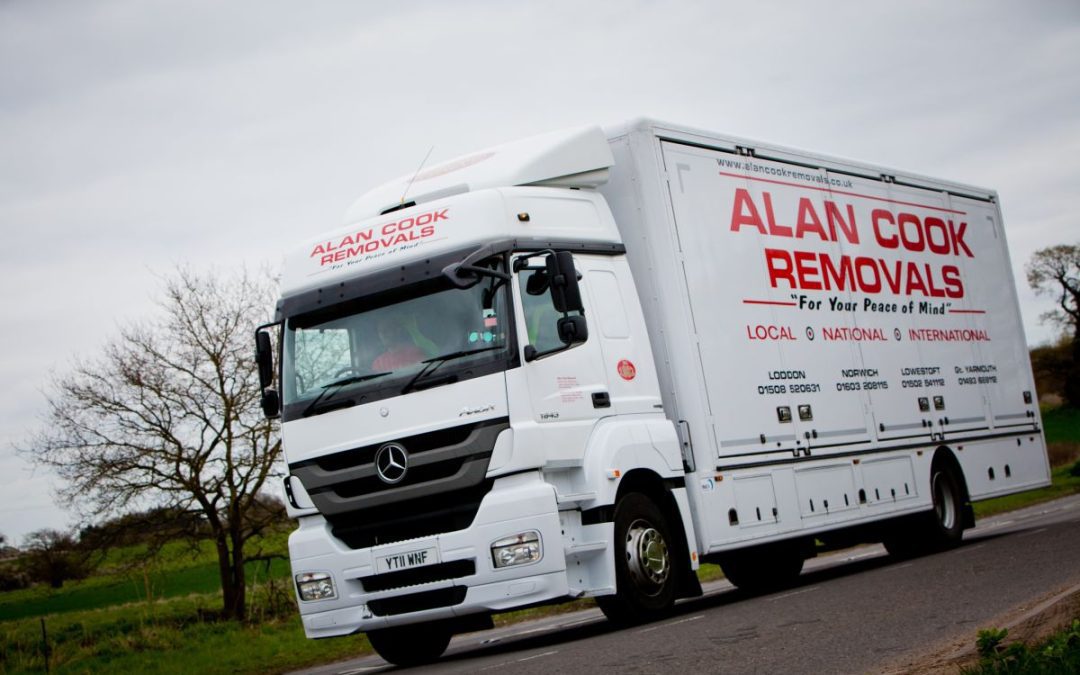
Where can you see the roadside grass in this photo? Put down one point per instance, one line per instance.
(166, 636)
(1060, 653)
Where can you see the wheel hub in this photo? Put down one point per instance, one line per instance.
(647, 556)
(944, 504)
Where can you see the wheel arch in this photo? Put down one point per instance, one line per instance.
(661, 491)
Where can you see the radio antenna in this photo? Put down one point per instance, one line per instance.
(422, 163)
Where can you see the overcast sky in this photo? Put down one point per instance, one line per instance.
(136, 135)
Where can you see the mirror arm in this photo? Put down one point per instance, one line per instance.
(520, 263)
(464, 275)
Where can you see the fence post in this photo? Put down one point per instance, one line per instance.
(45, 649)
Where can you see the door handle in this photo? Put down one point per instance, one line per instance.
(601, 399)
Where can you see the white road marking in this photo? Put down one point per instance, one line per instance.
(672, 623)
(993, 526)
(536, 656)
(502, 664)
(798, 592)
(541, 629)
(900, 567)
(587, 619)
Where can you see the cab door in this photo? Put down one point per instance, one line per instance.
(565, 387)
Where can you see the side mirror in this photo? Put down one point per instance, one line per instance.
(565, 292)
(573, 330)
(264, 357)
(271, 403)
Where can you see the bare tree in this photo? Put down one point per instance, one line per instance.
(169, 417)
(54, 557)
(1055, 271)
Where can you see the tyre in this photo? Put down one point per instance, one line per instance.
(411, 645)
(764, 569)
(937, 530)
(947, 527)
(646, 574)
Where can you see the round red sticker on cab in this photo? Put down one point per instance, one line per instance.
(626, 369)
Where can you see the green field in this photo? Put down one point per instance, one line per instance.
(1062, 425)
(176, 571)
(159, 617)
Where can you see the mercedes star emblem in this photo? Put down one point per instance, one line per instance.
(392, 463)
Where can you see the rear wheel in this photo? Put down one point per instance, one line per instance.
(411, 645)
(645, 572)
(941, 528)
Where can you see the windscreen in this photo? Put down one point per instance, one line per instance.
(409, 340)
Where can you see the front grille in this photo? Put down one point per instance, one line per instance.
(441, 491)
(421, 575)
(422, 517)
(421, 474)
(417, 602)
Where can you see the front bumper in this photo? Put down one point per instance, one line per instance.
(514, 504)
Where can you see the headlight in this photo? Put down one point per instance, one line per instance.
(519, 549)
(315, 586)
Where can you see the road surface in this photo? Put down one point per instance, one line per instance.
(852, 612)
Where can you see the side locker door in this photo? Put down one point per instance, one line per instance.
(960, 405)
(998, 367)
(893, 370)
(743, 318)
(827, 418)
(566, 389)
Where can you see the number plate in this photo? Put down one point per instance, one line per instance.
(407, 560)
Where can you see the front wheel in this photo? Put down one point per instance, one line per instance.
(645, 571)
(411, 645)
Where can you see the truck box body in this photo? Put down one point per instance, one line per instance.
(884, 303)
(769, 347)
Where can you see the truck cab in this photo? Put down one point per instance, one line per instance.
(466, 390)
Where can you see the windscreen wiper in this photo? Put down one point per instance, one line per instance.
(432, 364)
(333, 387)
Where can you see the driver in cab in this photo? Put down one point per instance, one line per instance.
(400, 350)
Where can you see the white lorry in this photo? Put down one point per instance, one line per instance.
(583, 363)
